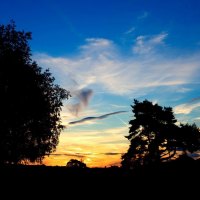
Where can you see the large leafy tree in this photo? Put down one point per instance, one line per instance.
(30, 102)
(154, 135)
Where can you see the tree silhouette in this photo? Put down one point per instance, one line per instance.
(30, 101)
(73, 163)
(155, 137)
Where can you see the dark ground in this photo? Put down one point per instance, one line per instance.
(180, 177)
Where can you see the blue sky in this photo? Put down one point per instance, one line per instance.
(108, 52)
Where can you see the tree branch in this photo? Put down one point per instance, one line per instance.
(170, 156)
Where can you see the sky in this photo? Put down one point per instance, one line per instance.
(107, 53)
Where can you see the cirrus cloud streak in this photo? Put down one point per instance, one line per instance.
(99, 66)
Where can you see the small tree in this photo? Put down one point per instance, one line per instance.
(30, 102)
(155, 137)
(73, 163)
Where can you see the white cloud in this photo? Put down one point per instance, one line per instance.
(100, 67)
(96, 42)
(146, 44)
(186, 108)
(96, 46)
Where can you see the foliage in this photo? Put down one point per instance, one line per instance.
(73, 163)
(30, 101)
(154, 135)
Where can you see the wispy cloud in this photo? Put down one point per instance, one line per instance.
(188, 107)
(144, 15)
(69, 154)
(96, 118)
(100, 67)
(82, 155)
(112, 153)
(184, 90)
(146, 44)
(197, 118)
(96, 42)
(118, 106)
(194, 100)
(95, 46)
(131, 30)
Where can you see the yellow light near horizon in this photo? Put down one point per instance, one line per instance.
(99, 161)
(93, 148)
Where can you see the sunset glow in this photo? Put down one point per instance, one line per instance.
(107, 53)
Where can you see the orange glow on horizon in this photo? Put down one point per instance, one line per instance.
(101, 148)
(99, 161)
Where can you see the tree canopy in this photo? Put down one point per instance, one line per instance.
(155, 136)
(30, 101)
(73, 163)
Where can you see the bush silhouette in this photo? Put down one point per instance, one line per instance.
(30, 101)
(155, 137)
(73, 163)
